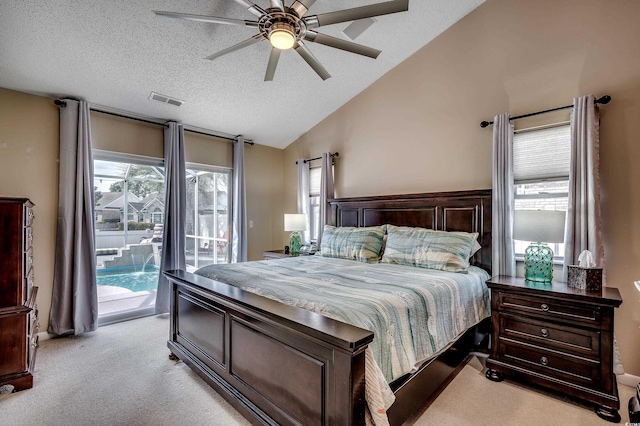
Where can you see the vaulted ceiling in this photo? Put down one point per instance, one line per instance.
(114, 53)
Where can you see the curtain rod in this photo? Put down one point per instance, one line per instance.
(602, 100)
(335, 154)
(63, 104)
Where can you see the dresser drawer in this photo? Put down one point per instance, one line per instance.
(34, 324)
(27, 261)
(573, 369)
(550, 309)
(28, 216)
(565, 338)
(28, 238)
(27, 285)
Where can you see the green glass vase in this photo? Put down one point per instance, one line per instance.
(295, 242)
(538, 263)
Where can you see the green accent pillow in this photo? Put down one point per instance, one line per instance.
(362, 244)
(426, 248)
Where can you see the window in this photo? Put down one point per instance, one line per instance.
(541, 159)
(208, 222)
(157, 216)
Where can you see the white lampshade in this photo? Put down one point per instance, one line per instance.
(540, 226)
(295, 222)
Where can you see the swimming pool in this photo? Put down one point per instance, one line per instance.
(130, 278)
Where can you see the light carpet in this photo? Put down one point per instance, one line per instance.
(121, 375)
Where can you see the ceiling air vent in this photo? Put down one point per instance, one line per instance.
(165, 99)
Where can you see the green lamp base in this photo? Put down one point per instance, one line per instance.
(538, 263)
(295, 242)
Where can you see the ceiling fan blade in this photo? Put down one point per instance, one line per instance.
(277, 4)
(311, 60)
(356, 13)
(253, 40)
(273, 63)
(338, 43)
(302, 6)
(210, 19)
(251, 7)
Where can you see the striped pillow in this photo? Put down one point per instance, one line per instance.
(362, 244)
(426, 248)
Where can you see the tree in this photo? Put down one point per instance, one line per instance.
(97, 194)
(142, 181)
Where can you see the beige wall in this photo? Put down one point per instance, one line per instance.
(264, 179)
(29, 149)
(417, 128)
(118, 134)
(29, 152)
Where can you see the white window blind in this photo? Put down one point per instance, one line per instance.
(542, 154)
(314, 196)
(314, 180)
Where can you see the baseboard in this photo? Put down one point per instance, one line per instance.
(628, 380)
(43, 335)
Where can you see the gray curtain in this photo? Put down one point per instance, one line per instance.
(173, 240)
(304, 204)
(74, 304)
(584, 222)
(327, 192)
(503, 256)
(239, 222)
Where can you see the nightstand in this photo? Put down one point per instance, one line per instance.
(557, 337)
(274, 254)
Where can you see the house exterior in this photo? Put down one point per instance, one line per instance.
(109, 209)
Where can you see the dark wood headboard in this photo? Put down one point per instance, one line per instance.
(468, 211)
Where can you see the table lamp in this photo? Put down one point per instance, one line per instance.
(295, 223)
(539, 227)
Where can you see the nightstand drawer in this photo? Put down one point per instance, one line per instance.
(574, 340)
(558, 365)
(551, 309)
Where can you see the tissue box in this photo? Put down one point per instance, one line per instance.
(584, 278)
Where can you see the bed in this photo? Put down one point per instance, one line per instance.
(281, 364)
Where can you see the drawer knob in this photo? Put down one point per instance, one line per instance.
(544, 360)
(544, 332)
(544, 307)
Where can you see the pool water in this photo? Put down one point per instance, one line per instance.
(130, 279)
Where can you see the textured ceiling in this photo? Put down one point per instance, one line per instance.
(114, 53)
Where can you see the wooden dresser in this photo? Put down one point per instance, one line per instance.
(555, 336)
(18, 312)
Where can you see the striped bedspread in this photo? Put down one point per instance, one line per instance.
(413, 312)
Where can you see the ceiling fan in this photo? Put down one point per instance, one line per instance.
(288, 27)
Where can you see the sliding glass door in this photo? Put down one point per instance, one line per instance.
(129, 214)
(208, 223)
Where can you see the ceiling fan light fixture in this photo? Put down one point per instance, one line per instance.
(282, 36)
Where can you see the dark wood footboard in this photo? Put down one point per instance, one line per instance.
(274, 363)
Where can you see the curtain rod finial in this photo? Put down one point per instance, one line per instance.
(604, 100)
(60, 103)
(485, 124)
